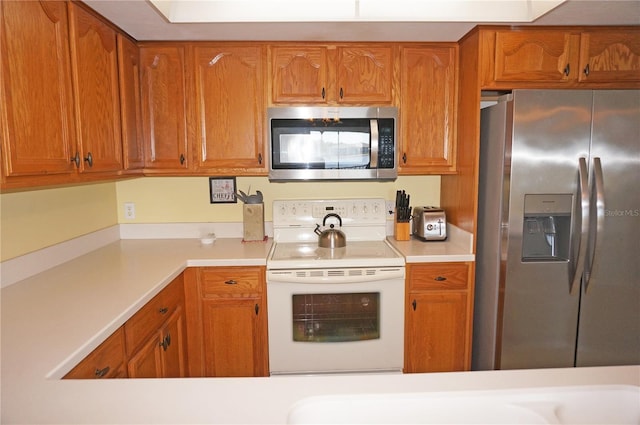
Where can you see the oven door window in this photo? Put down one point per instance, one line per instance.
(336, 317)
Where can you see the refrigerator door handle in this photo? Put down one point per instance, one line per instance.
(580, 243)
(596, 189)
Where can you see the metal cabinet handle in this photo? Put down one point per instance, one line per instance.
(440, 278)
(163, 310)
(168, 339)
(257, 309)
(260, 158)
(414, 304)
(100, 373)
(323, 92)
(89, 159)
(182, 159)
(341, 93)
(165, 343)
(76, 159)
(567, 70)
(586, 70)
(404, 158)
(231, 282)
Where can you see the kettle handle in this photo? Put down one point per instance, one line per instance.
(324, 221)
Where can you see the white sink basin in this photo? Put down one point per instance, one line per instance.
(612, 404)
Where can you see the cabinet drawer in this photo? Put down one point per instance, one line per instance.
(150, 317)
(438, 276)
(106, 361)
(221, 281)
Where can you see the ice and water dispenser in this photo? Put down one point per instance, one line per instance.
(546, 234)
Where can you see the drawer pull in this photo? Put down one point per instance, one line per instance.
(414, 304)
(231, 282)
(440, 279)
(102, 372)
(257, 309)
(163, 310)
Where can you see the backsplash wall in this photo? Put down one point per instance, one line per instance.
(186, 199)
(35, 219)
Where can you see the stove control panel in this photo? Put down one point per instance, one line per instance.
(353, 212)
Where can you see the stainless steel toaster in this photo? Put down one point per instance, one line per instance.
(429, 223)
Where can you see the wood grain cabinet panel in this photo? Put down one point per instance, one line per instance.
(428, 87)
(130, 103)
(227, 321)
(438, 317)
(348, 74)
(156, 343)
(38, 137)
(164, 107)
(95, 76)
(106, 361)
(610, 56)
(230, 108)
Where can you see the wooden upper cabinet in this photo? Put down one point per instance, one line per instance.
(365, 74)
(95, 78)
(230, 108)
(36, 93)
(607, 56)
(299, 74)
(596, 57)
(334, 74)
(164, 107)
(535, 56)
(130, 106)
(428, 86)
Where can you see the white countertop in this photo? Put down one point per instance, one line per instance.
(52, 320)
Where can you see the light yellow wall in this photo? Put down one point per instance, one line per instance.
(186, 199)
(37, 219)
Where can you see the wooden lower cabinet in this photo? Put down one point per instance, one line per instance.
(438, 317)
(227, 321)
(106, 361)
(164, 353)
(156, 336)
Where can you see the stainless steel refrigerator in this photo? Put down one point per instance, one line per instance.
(558, 250)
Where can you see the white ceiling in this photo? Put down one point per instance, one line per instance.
(140, 19)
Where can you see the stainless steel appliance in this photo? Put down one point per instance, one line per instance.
(429, 223)
(332, 143)
(334, 310)
(558, 270)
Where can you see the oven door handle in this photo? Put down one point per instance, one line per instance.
(334, 276)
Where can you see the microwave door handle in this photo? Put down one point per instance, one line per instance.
(375, 140)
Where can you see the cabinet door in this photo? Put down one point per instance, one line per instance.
(435, 334)
(536, 56)
(147, 361)
(610, 56)
(173, 343)
(230, 106)
(299, 74)
(428, 110)
(95, 77)
(235, 337)
(364, 74)
(131, 114)
(36, 93)
(164, 109)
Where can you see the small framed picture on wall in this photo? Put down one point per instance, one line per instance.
(222, 190)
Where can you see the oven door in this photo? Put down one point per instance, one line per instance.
(347, 322)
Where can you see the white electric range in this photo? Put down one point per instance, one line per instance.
(334, 310)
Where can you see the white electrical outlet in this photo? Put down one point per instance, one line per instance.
(129, 210)
(390, 207)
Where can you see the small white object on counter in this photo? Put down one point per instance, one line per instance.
(208, 239)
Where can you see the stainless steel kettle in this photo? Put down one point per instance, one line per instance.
(331, 237)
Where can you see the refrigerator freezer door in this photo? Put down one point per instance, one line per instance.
(609, 326)
(551, 132)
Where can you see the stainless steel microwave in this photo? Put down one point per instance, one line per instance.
(332, 143)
